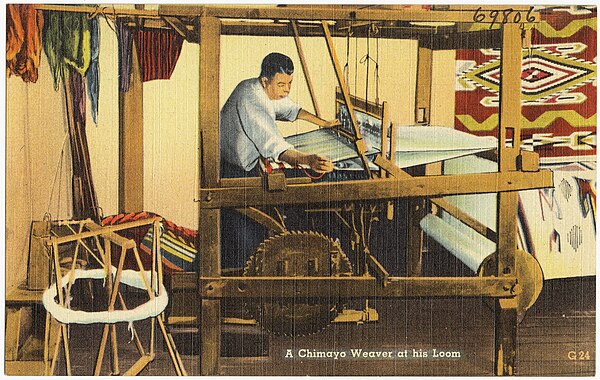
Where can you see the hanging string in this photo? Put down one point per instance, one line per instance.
(112, 27)
(355, 63)
(346, 67)
(57, 175)
(368, 61)
(376, 32)
(101, 11)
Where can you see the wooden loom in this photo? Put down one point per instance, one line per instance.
(516, 170)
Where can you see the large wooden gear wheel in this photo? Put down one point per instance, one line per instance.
(297, 254)
(530, 279)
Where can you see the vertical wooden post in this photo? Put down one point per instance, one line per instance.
(414, 242)
(510, 97)
(131, 142)
(311, 89)
(393, 143)
(506, 309)
(360, 144)
(423, 93)
(209, 222)
(510, 118)
(505, 330)
(416, 206)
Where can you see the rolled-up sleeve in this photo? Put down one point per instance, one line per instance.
(286, 109)
(261, 129)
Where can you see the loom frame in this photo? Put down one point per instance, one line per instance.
(213, 195)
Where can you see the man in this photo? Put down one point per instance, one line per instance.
(248, 129)
(248, 132)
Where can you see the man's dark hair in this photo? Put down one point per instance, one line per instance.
(276, 63)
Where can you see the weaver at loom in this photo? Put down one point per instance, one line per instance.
(247, 124)
(248, 131)
(250, 140)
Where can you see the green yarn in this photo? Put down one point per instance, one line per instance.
(66, 41)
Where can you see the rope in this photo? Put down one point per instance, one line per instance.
(113, 28)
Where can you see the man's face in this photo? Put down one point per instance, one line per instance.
(279, 87)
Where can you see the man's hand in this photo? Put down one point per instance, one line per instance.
(305, 115)
(319, 164)
(330, 123)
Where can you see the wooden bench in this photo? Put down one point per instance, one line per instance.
(16, 345)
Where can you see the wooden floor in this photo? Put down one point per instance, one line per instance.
(556, 338)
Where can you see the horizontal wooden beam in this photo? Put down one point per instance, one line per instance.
(283, 28)
(307, 12)
(109, 10)
(466, 218)
(388, 188)
(430, 36)
(106, 230)
(482, 39)
(258, 181)
(333, 12)
(353, 287)
(112, 236)
(483, 7)
(21, 296)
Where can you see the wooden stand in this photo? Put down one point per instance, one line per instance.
(105, 238)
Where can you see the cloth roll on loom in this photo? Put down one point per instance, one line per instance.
(466, 244)
(470, 251)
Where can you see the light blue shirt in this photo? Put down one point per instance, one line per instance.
(247, 125)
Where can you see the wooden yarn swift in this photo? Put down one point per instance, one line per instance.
(98, 242)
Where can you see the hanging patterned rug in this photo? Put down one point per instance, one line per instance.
(178, 244)
(558, 81)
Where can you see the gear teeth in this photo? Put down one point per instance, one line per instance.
(302, 327)
(250, 266)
